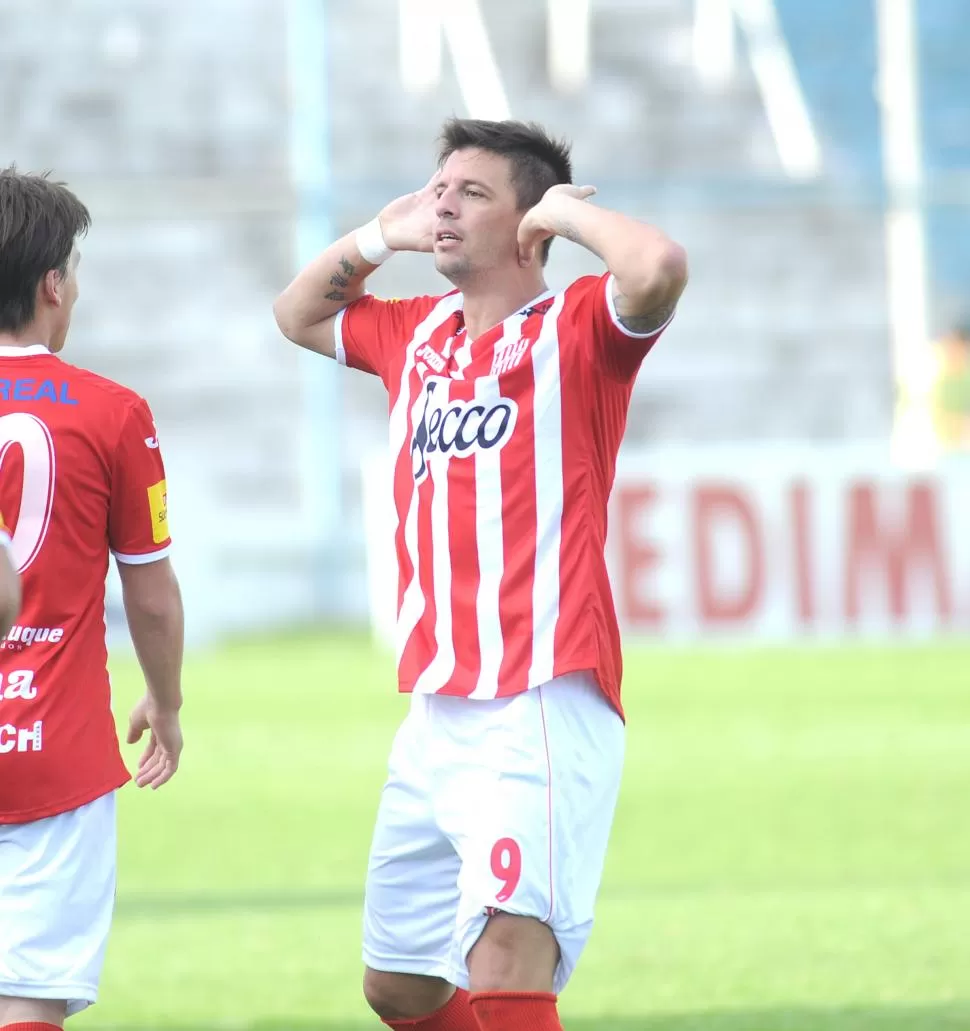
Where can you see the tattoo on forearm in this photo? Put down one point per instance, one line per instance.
(647, 322)
(341, 280)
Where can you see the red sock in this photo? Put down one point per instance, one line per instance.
(33, 1025)
(455, 1015)
(516, 1011)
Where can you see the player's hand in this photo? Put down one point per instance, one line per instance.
(408, 222)
(547, 217)
(160, 759)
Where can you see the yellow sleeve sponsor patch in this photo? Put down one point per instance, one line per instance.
(158, 506)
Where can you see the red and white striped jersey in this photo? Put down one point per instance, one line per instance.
(504, 454)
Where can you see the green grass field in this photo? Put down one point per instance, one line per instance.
(791, 853)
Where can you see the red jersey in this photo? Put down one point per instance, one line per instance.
(80, 474)
(504, 454)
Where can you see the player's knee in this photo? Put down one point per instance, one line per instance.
(404, 996)
(513, 954)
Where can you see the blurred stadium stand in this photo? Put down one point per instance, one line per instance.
(172, 122)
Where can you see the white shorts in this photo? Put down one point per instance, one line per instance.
(57, 891)
(501, 805)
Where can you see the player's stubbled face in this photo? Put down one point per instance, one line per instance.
(68, 292)
(476, 216)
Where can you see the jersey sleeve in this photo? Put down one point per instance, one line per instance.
(611, 347)
(138, 516)
(370, 332)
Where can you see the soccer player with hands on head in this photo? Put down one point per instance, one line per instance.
(508, 402)
(81, 477)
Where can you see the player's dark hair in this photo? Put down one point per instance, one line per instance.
(39, 222)
(537, 160)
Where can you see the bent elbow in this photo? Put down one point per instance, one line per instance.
(669, 273)
(674, 265)
(284, 317)
(657, 279)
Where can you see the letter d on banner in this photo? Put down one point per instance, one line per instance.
(716, 510)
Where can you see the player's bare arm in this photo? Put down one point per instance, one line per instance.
(649, 269)
(153, 607)
(307, 307)
(9, 592)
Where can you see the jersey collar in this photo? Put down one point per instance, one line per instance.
(524, 310)
(544, 296)
(31, 350)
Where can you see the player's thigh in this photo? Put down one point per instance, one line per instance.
(411, 895)
(531, 809)
(57, 887)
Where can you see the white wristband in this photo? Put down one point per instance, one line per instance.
(370, 243)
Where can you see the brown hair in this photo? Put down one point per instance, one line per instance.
(39, 222)
(537, 160)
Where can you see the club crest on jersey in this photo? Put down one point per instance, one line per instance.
(509, 355)
(457, 429)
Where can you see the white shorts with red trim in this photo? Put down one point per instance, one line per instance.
(57, 891)
(492, 805)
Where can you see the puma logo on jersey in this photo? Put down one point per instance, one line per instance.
(458, 428)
